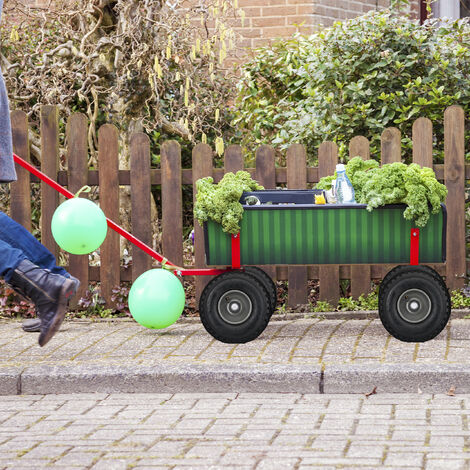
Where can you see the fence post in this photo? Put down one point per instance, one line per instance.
(328, 274)
(77, 158)
(172, 202)
(360, 273)
(49, 165)
(140, 201)
(391, 145)
(454, 171)
(390, 153)
(266, 176)
(297, 179)
(108, 158)
(202, 167)
(422, 142)
(20, 200)
(233, 159)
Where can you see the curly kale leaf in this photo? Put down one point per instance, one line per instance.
(325, 182)
(221, 202)
(358, 171)
(394, 183)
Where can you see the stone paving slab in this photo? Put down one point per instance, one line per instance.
(249, 431)
(320, 354)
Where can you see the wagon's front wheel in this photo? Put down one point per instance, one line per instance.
(265, 279)
(234, 307)
(414, 303)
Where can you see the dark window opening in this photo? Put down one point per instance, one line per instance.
(464, 8)
(458, 7)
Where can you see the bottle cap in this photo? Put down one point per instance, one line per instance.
(340, 167)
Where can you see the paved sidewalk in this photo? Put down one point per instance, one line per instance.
(311, 355)
(229, 431)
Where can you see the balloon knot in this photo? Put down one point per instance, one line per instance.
(83, 189)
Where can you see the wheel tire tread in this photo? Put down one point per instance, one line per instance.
(268, 283)
(401, 273)
(208, 326)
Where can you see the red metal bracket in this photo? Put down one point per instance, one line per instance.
(236, 251)
(414, 247)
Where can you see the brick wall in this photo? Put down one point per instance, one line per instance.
(328, 11)
(269, 19)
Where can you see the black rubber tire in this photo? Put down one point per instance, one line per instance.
(406, 286)
(243, 291)
(408, 268)
(268, 284)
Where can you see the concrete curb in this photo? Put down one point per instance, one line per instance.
(169, 379)
(261, 378)
(396, 378)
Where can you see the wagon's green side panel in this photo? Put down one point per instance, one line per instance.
(326, 235)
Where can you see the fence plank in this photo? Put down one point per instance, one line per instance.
(359, 147)
(172, 202)
(109, 202)
(20, 191)
(297, 179)
(391, 145)
(77, 158)
(454, 163)
(202, 167)
(391, 153)
(49, 166)
(265, 174)
(233, 159)
(360, 274)
(266, 167)
(422, 142)
(329, 275)
(140, 201)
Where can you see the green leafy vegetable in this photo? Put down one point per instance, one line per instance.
(221, 202)
(394, 183)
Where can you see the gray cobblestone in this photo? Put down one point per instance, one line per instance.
(188, 434)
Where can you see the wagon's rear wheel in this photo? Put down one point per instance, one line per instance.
(268, 284)
(414, 303)
(234, 307)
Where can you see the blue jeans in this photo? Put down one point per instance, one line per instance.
(17, 244)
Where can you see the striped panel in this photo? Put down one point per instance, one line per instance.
(326, 235)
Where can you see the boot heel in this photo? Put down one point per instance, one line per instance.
(68, 289)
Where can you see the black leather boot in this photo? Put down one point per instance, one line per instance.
(33, 325)
(49, 292)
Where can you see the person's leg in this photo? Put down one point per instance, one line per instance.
(21, 245)
(10, 258)
(18, 237)
(49, 292)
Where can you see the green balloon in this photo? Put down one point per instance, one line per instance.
(156, 299)
(79, 226)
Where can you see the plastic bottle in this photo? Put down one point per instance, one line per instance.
(344, 190)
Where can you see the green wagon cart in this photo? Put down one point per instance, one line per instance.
(287, 227)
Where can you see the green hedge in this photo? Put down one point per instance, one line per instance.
(355, 78)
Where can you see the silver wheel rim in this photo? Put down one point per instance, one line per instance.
(234, 307)
(414, 306)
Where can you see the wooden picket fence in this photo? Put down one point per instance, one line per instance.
(171, 177)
